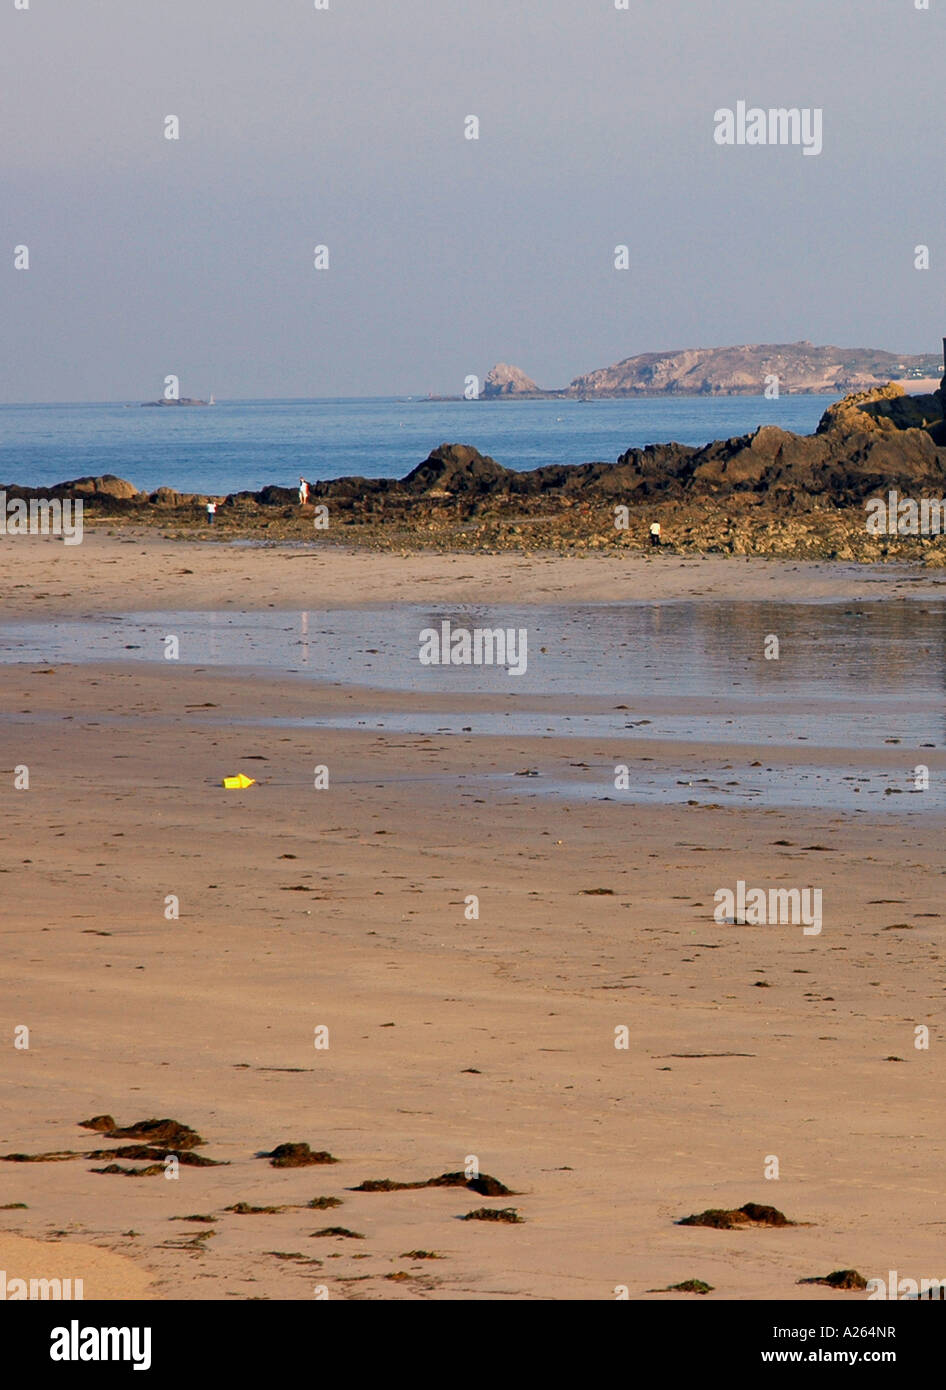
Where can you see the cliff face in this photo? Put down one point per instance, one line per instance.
(732, 371)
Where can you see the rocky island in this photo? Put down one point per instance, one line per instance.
(728, 371)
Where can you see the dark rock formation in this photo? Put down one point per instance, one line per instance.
(846, 467)
(455, 468)
(864, 444)
(767, 492)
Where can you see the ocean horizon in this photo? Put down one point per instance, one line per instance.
(245, 445)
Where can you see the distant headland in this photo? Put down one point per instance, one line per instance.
(729, 371)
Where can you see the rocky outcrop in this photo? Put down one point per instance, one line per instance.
(505, 380)
(455, 468)
(886, 408)
(106, 495)
(859, 450)
(840, 465)
(768, 492)
(106, 486)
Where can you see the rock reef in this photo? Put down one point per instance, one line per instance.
(766, 492)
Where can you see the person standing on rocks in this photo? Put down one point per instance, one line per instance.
(211, 511)
(655, 533)
(303, 492)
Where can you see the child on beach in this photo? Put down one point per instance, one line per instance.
(655, 533)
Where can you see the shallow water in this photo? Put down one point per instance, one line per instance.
(876, 791)
(892, 650)
(753, 729)
(849, 675)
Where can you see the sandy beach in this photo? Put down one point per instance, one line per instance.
(454, 1044)
(131, 571)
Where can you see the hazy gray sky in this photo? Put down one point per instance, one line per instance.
(346, 128)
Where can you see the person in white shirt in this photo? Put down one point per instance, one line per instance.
(303, 492)
(211, 511)
(655, 533)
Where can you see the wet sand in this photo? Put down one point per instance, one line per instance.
(133, 571)
(447, 1037)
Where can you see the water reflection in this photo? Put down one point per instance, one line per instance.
(846, 672)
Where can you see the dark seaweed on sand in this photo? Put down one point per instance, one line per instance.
(485, 1185)
(244, 1209)
(150, 1151)
(296, 1156)
(167, 1132)
(688, 1286)
(839, 1279)
(58, 1157)
(752, 1214)
(509, 1214)
(150, 1171)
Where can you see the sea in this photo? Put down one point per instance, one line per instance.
(236, 446)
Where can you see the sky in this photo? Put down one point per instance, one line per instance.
(346, 128)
